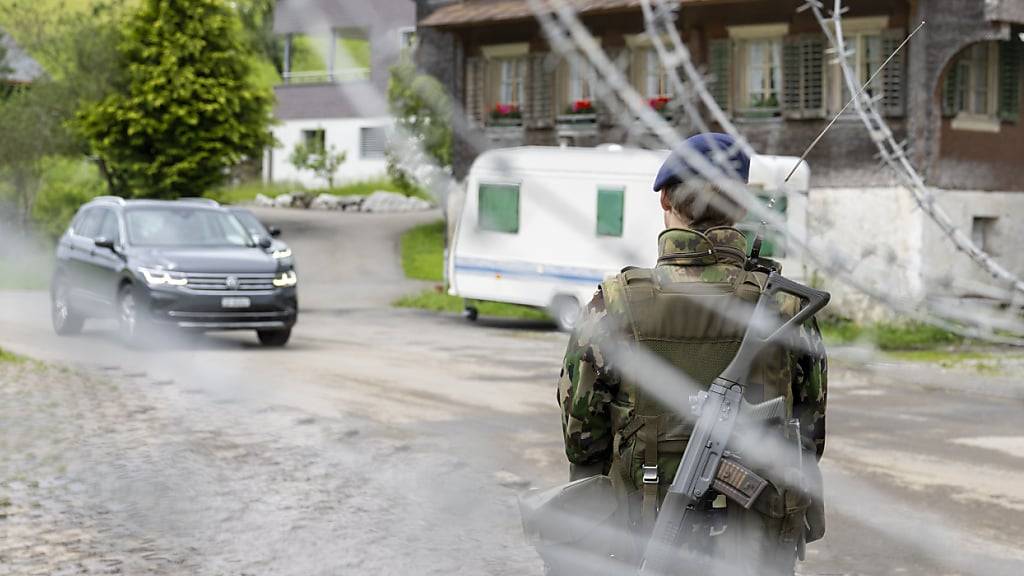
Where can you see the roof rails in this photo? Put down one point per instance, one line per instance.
(116, 199)
(198, 200)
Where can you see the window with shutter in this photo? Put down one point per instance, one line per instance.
(1009, 80)
(803, 76)
(498, 207)
(372, 142)
(719, 67)
(972, 91)
(610, 201)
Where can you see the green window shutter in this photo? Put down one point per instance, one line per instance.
(792, 78)
(1009, 80)
(720, 66)
(950, 86)
(498, 207)
(812, 61)
(610, 203)
(802, 76)
(893, 75)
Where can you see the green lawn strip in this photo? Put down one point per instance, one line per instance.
(423, 252)
(423, 259)
(435, 301)
(246, 192)
(889, 336)
(7, 357)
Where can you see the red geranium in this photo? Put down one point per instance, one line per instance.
(659, 103)
(505, 110)
(584, 106)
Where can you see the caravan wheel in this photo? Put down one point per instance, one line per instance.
(565, 310)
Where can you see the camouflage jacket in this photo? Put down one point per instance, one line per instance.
(588, 385)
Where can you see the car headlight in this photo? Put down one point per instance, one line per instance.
(282, 254)
(161, 278)
(286, 279)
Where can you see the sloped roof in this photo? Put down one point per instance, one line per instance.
(23, 67)
(484, 11)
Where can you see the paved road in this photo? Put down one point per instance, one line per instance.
(395, 441)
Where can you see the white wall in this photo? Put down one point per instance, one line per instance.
(342, 134)
(877, 233)
(894, 247)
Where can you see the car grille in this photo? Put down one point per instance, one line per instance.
(229, 282)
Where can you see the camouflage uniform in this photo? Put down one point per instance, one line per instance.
(599, 405)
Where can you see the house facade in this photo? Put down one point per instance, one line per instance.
(333, 93)
(953, 94)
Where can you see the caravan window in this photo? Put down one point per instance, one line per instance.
(499, 207)
(609, 211)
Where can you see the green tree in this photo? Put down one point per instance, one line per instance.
(422, 108)
(190, 111)
(323, 162)
(78, 52)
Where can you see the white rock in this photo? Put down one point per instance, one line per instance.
(263, 200)
(283, 201)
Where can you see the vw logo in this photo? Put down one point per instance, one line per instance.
(231, 282)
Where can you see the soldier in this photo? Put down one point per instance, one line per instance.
(612, 427)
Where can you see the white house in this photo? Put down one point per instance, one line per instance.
(334, 89)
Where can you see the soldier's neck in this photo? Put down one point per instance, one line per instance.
(673, 220)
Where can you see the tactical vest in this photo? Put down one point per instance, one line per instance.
(696, 327)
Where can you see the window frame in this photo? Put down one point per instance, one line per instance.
(383, 131)
(480, 217)
(772, 79)
(321, 145)
(656, 75)
(965, 117)
(620, 191)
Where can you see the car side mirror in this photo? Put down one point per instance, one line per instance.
(274, 231)
(104, 242)
(266, 242)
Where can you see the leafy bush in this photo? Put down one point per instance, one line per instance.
(323, 162)
(65, 184)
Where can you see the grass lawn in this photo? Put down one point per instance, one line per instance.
(11, 358)
(423, 259)
(890, 336)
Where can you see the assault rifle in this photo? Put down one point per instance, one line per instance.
(707, 464)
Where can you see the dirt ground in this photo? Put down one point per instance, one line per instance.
(392, 441)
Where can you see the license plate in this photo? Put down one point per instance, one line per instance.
(235, 302)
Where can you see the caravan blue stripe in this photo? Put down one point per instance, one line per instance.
(494, 268)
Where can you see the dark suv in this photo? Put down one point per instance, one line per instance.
(187, 263)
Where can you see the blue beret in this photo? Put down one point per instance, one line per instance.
(675, 169)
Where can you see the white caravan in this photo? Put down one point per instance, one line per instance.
(543, 226)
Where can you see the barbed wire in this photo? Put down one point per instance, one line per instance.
(566, 34)
(893, 153)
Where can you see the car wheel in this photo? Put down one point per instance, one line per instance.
(565, 310)
(470, 313)
(129, 322)
(66, 321)
(274, 337)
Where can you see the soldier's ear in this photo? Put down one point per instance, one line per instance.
(666, 203)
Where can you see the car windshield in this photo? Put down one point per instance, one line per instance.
(184, 227)
(251, 223)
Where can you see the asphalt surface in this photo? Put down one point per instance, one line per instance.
(395, 441)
